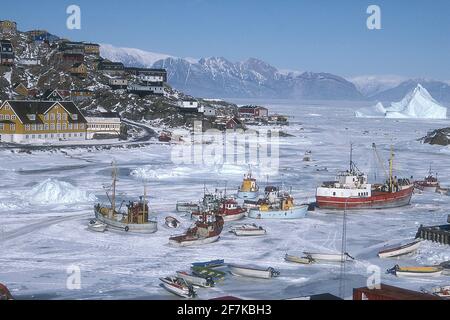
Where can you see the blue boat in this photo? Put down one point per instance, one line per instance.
(210, 264)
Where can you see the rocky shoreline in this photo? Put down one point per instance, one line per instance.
(439, 137)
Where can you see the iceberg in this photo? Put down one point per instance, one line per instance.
(417, 104)
(52, 191)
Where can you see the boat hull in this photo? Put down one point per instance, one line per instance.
(400, 251)
(187, 243)
(194, 280)
(147, 228)
(183, 293)
(295, 213)
(251, 273)
(379, 200)
(406, 274)
(328, 257)
(299, 260)
(233, 217)
(247, 194)
(249, 233)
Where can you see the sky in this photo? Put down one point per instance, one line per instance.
(304, 35)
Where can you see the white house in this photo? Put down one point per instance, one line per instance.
(105, 123)
(189, 104)
(207, 111)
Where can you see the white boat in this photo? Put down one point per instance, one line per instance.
(329, 257)
(248, 230)
(204, 282)
(253, 272)
(400, 251)
(171, 222)
(178, 286)
(97, 226)
(446, 268)
(300, 260)
(442, 292)
(416, 272)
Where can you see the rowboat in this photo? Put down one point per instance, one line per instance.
(400, 251)
(200, 281)
(329, 257)
(443, 292)
(210, 264)
(417, 272)
(171, 222)
(216, 275)
(300, 260)
(446, 266)
(178, 286)
(253, 272)
(97, 226)
(248, 230)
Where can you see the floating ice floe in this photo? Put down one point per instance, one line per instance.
(52, 191)
(418, 104)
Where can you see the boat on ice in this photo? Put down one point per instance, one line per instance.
(300, 260)
(253, 272)
(228, 209)
(210, 264)
(205, 230)
(443, 191)
(187, 207)
(195, 280)
(277, 205)
(172, 222)
(416, 272)
(216, 275)
(430, 183)
(249, 188)
(179, 287)
(248, 230)
(446, 268)
(442, 292)
(4, 293)
(134, 220)
(400, 251)
(351, 190)
(329, 257)
(97, 226)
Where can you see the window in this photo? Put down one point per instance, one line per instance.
(52, 116)
(58, 126)
(76, 126)
(7, 117)
(70, 126)
(52, 127)
(58, 116)
(2, 117)
(13, 117)
(40, 127)
(13, 127)
(75, 117)
(46, 117)
(64, 126)
(27, 127)
(46, 127)
(65, 116)
(33, 127)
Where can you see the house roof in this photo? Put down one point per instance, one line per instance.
(23, 108)
(77, 65)
(61, 93)
(252, 107)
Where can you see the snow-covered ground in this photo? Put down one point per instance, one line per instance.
(40, 241)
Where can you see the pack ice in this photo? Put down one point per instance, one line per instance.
(418, 104)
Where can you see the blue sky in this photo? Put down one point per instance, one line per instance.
(307, 35)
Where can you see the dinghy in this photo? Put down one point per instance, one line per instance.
(253, 272)
(210, 264)
(248, 230)
(329, 257)
(446, 266)
(216, 275)
(442, 292)
(416, 272)
(97, 226)
(178, 286)
(300, 260)
(171, 222)
(199, 281)
(400, 251)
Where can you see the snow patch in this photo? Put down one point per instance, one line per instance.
(57, 192)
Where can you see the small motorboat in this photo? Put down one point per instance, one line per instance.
(97, 226)
(300, 260)
(171, 222)
(430, 183)
(442, 292)
(248, 230)
(216, 275)
(4, 293)
(253, 272)
(178, 286)
(199, 281)
(329, 257)
(400, 251)
(416, 272)
(446, 266)
(210, 264)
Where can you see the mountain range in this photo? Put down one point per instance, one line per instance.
(217, 77)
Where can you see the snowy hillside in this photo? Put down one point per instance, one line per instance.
(416, 104)
(372, 85)
(131, 56)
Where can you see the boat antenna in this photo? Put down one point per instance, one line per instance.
(351, 157)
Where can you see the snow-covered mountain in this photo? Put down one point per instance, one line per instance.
(218, 77)
(372, 85)
(418, 104)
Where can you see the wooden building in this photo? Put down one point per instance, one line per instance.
(103, 125)
(118, 83)
(390, 293)
(8, 27)
(111, 68)
(24, 121)
(92, 48)
(56, 95)
(252, 112)
(81, 94)
(79, 70)
(6, 53)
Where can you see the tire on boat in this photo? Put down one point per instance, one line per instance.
(127, 229)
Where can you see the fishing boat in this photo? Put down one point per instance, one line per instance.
(205, 230)
(248, 230)
(442, 292)
(134, 220)
(300, 260)
(210, 264)
(329, 257)
(253, 272)
(171, 222)
(228, 209)
(400, 251)
(179, 287)
(416, 272)
(195, 280)
(277, 205)
(97, 226)
(352, 191)
(249, 188)
(4, 293)
(430, 183)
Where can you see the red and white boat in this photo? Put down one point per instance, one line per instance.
(228, 209)
(430, 183)
(351, 190)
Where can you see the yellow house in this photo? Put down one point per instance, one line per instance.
(79, 70)
(41, 122)
(7, 26)
(92, 48)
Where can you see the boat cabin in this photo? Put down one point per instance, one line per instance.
(138, 212)
(271, 194)
(249, 184)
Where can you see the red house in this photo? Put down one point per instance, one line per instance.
(251, 112)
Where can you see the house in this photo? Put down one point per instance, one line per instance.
(41, 36)
(188, 105)
(92, 48)
(81, 94)
(20, 89)
(41, 121)
(148, 76)
(56, 95)
(6, 53)
(252, 112)
(8, 27)
(73, 52)
(118, 83)
(207, 111)
(104, 124)
(386, 292)
(111, 68)
(79, 70)
(30, 61)
(233, 124)
(142, 90)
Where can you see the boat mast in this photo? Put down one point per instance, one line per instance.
(113, 197)
(351, 157)
(144, 202)
(391, 169)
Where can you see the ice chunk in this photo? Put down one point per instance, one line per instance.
(52, 191)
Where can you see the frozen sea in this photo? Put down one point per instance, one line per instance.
(41, 242)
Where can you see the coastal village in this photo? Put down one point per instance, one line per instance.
(59, 92)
